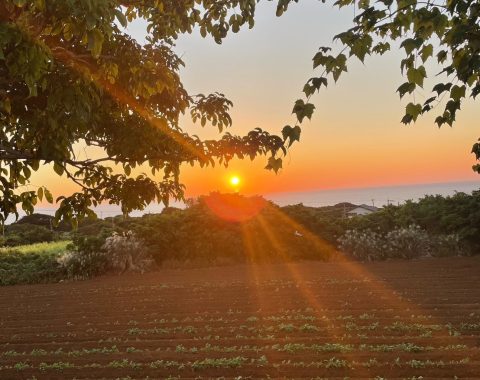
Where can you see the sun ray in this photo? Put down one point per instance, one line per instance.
(304, 289)
(383, 295)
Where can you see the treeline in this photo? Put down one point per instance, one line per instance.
(230, 228)
(214, 229)
(435, 225)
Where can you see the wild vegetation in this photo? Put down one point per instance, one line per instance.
(32, 263)
(226, 229)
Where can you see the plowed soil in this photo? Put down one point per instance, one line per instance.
(399, 319)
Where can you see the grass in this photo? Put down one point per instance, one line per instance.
(33, 263)
(50, 248)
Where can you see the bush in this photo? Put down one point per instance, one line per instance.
(364, 245)
(447, 245)
(127, 252)
(402, 242)
(407, 242)
(21, 234)
(85, 258)
(17, 267)
(92, 256)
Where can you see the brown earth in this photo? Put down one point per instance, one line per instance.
(399, 319)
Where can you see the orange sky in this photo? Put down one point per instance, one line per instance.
(355, 138)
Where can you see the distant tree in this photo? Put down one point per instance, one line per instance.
(71, 76)
(20, 234)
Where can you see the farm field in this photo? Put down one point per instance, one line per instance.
(390, 320)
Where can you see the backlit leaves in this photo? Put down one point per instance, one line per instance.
(334, 65)
(95, 42)
(70, 77)
(313, 85)
(411, 112)
(291, 134)
(416, 75)
(274, 164)
(406, 87)
(302, 110)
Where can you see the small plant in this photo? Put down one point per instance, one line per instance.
(21, 366)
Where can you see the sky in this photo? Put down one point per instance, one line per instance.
(355, 138)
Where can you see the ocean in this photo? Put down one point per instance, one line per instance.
(377, 196)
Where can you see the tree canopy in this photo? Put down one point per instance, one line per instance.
(71, 76)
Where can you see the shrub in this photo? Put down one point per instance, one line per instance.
(84, 264)
(85, 258)
(401, 242)
(17, 267)
(127, 252)
(20, 234)
(447, 245)
(92, 256)
(407, 242)
(364, 245)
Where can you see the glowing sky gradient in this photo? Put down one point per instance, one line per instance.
(355, 138)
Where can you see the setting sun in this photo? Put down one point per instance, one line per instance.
(234, 180)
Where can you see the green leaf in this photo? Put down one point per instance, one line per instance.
(40, 193)
(411, 44)
(406, 87)
(48, 196)
(286, 132)
(302, 110)
(442, 56)
(292, 134)
(427, 52)
(121, 18)
(295, 134)
(416, 76)
(457, 92)
(58, 168)
(274, 164)
(441, 87)
(95, 42)
(413, 110)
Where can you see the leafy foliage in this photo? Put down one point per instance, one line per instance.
(70, 75)
(127, 252)
(458, 215)
(198, 235)
(442, 31)
(30, 264)
(85, 259)
(402, 242)
(20, 234)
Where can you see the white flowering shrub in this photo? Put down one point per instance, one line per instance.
(363, 245)
(402, 242)
(91, 257)
(407, 242)
(84, 264)
(126, 252)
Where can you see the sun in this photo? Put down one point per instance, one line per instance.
(234, 181)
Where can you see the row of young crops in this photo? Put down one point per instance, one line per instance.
(303, 321)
